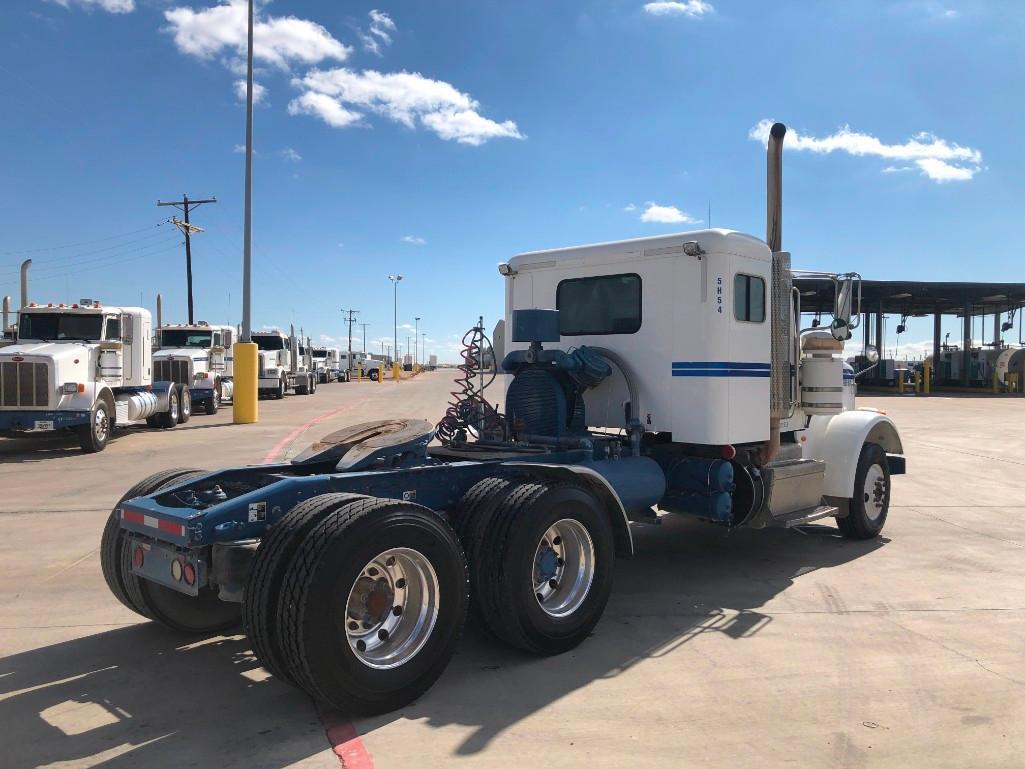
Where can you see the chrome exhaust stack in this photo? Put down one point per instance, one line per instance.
(24, 282)
(783, 384)
(7, 314)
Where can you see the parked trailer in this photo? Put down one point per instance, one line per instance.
(284, 365)
(198, 356)
(714, 404)
(87, 368)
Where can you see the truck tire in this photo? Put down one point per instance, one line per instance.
(400, 571)
(544, 573)
(868, 507)
(184, 404)
(470, 520)
(263, 585)
(213, 403)
(313, 385)
(279, 394)
(375, 374)
(93, 437)
(301, 389)
(113, 560)
(169, 418)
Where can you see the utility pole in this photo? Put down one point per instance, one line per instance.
(416, 335)
(364, 335)
(350, 318)
(185, 205)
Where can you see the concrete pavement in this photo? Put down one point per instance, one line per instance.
(750, 649)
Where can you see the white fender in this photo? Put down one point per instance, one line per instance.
(837, 440)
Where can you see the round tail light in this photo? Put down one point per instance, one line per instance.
(138, 557)
(729, 452)
(189, 573)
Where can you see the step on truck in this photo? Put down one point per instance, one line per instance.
(670, 376)
(284, 364)
(199, 357)
(85, 368)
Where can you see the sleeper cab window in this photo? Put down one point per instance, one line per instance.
(113, 328)
(748, 298)
(606, 304)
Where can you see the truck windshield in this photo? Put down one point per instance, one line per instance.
(319, 353)
(269, 341)
(183, 337)
(55, 326)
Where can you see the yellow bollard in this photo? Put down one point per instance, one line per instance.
(926, 378)
(900, 381)
(246, 386)
(996, 383)
(396, 371)
(918, 381)
(380, 373)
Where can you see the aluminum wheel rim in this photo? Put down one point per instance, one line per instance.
(874, 492)
(392, 608)
(173, 408)
(101, 424)
(563, 568)
(186, 405)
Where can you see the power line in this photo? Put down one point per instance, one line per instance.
(115, 247)
(59, 267)
(81, 242)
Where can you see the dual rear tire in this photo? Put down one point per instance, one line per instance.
(359, 601)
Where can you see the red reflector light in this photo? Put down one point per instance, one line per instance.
(189, 573)
(138, 557)
(729, 452)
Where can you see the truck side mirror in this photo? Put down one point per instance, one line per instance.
(872, 354)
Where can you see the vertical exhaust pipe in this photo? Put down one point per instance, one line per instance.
(781, 387)
(160, 310)
(7, 314)
(774, 191)
(24, 282)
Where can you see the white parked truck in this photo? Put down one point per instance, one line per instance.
(283, 365)
(198, 356)
(87, 368)
(667, 373)
(432, 362)
(360, 365)
(327, 364)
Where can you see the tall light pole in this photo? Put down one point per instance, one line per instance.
(423, 347)
(395, 284)
(245, 396)
(416, 336)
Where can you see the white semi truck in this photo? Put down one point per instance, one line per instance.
(86, 368)
(360, 364)
(327, 364)
(283, 365)
(199, 357)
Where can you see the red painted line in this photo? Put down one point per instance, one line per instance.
(133, 517)
(345, 741)
(281, 445)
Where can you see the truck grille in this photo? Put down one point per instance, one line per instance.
(172, 370)
(24, 384)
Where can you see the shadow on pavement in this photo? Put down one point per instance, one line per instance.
(142, 696)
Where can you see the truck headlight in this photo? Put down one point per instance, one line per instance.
(70, 388)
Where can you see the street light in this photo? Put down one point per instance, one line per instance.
(416, 334)
(395, 284)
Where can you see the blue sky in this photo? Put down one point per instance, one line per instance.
(437, 139)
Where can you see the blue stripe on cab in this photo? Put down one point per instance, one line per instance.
(720, 368)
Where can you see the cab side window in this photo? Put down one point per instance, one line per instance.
(748, 298)
(113, 328)
(608, 304)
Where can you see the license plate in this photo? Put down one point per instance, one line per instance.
(44, 424)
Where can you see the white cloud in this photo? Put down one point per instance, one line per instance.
(413, 240)
(404, 97)
(666, 215)
(290, 154)
(259, 92)
(936, 158)
(629, 207)
(379, 34)
(897, 169)
(692, 9)
(279, 41)
(324, 107)
(111, 6)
